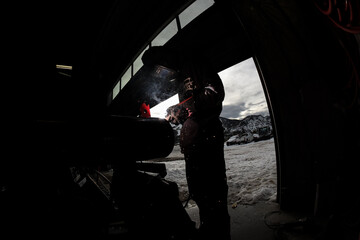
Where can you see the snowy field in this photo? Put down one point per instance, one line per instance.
(250, 169)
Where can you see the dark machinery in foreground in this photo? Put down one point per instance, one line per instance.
(107, 192)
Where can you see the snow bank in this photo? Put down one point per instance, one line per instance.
(250, 169)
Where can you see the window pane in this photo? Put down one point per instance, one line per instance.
(194, 10)
(138, 63)
(116, 90)
(165, 35)
(126, 77)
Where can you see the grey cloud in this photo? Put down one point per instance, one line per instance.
(233, 111)
(263, 113)
(250, 104)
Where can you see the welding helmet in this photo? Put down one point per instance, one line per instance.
(161, 68)
(162, 56)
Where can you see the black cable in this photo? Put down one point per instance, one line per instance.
(272, 226)
(287, 225)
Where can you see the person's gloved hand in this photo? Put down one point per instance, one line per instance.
(176, 114)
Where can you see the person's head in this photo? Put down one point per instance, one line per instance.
(180, 62)
(163, 56)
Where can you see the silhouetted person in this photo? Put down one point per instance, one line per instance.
(201, 94)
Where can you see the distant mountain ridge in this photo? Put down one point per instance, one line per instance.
(250, 124)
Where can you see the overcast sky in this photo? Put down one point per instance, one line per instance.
(244, 95)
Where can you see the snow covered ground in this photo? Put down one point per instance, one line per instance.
(250, 169)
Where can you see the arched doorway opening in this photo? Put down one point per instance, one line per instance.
(302, 66)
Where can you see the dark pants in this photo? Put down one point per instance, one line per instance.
(203, 146)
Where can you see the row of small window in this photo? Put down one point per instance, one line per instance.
(185, 17)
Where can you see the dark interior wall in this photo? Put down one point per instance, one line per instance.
(310, 72)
